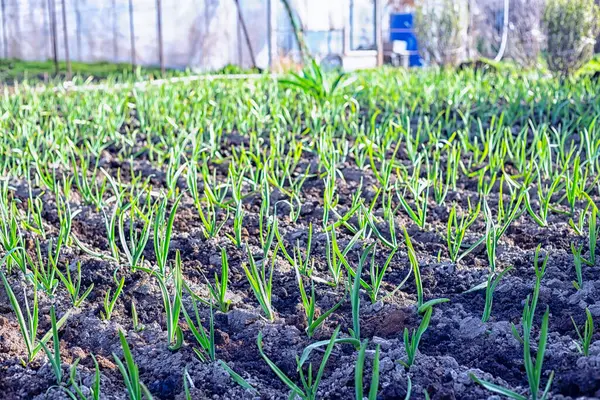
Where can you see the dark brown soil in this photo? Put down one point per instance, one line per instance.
(456, 343)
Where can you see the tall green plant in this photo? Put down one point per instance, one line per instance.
(316, 84)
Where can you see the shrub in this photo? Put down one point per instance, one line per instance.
(571, 28)
(440, 26)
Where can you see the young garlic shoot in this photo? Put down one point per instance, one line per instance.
(533, 368)
(309, 305)
(457, 229)
(206, 341)
(172, 302)
(411, 341)
(111, 301)
(163, 231)
(133, 245)
(261, 281)
(310, 383)
(359, 373)
(540, 271)
(414, 263)
(218, 290)
(77, 386)
(73, 287)
(29, 319)
(54, 356)
(585, 335)
(130, 371)
(578, 262)
(493, 280)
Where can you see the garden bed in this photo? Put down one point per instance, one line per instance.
(345, 168)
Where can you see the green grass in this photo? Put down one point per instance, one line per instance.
(15, 70)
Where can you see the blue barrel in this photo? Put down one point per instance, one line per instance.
(401, 28)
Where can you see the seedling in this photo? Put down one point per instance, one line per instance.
(489, 285)
(533, 369)
(44, 272)
(585, 337)
(137, 326)
(309, 304)
(414, 263)
(134, 245)
(457, 229)
(310, 383)
(238, 219)
(54, 357)
(205, 340)
(540, 271)
(11, 238)
(544, 200)
(74, 287)
(172, 303)
(91, 192)
(218, 291)
(77, 386)
(209, 207)
(355, 295)
(411, 342)
(28, 323)
(163, 230)
(267, 224)
(421, 196)
(296, 259)
(335, 257)
(359, 373)
(130, 372)
(312, 82)
(578, 261)
(111, 301)
(377, 273)
(261, 282)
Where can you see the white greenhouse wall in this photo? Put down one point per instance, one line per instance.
(200, 34)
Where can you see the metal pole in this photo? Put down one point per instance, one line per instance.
(66, 38)
(78, 29)
(47, 29)
(504, 32)
(132, 34)
(161, 56)
(52, 11)
(245, 29)
(4, 40)
(298, 32)
(270, 44)
(349, 30)
(239, 44)
(115, 38)
(469, 20)
(378, 32)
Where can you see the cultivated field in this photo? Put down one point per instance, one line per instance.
(409, 235)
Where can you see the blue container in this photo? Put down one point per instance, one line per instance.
(401, 28)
